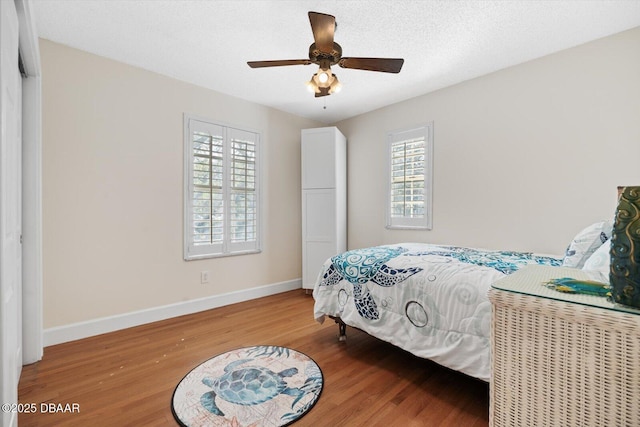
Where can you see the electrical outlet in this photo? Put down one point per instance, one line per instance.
(204, 277)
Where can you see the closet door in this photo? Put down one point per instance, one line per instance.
(318, 158)
(318, 232)
(10, 213)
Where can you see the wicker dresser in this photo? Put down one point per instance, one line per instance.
(560, 359)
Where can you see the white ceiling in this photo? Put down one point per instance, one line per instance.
(208, 43)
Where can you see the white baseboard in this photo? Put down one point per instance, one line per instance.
(76, 331)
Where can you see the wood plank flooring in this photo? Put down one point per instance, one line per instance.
(126, 378)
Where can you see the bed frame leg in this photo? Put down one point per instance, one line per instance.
(343, 330)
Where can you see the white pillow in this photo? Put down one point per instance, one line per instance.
(586, 242)
(598, 264)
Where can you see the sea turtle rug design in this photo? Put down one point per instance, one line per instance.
(363, 265)
(253, 386)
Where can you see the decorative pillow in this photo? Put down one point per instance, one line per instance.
(597, 266)
(586, 242)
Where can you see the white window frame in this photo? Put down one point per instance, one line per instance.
(405, 222)
(226, 247)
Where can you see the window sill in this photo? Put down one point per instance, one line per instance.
(408, 227)
(208, 256)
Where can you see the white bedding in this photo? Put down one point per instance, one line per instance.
(427, 299)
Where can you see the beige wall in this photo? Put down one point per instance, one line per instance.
(113, 189)
(524, 157)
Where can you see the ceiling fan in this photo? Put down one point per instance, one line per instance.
(325, 52)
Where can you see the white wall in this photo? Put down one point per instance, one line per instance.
(113, 190)
(524, 157)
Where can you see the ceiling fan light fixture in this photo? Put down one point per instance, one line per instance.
(312, 86)
(324, 81)
(323, 78)
(335, 85)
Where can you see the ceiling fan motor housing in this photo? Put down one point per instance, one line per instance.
(325, 59)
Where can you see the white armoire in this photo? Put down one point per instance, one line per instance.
(324, 199)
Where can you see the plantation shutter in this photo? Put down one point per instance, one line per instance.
(222, 205)
(409, 186)
(243, 221)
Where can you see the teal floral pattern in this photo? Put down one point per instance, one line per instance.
(504, 261)
(364, 265)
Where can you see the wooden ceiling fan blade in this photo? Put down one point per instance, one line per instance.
(323, 27)
(278, 63)
(386, 65)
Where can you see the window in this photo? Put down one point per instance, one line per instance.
(222, 199)
(410, 178)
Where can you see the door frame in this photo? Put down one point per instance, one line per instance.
(32, 279)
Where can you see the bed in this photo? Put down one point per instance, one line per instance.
(427, 299)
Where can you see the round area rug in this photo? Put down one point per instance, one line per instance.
(248, 387)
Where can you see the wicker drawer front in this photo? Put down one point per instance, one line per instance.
(562, 364)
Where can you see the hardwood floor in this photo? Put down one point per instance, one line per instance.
(126, 378)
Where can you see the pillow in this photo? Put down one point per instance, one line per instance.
(586, 242)
(597, 266)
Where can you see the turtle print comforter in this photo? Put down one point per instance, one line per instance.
(429, 300)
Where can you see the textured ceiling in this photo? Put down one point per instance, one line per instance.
(443, 42)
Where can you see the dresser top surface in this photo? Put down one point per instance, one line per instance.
(532, 280)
